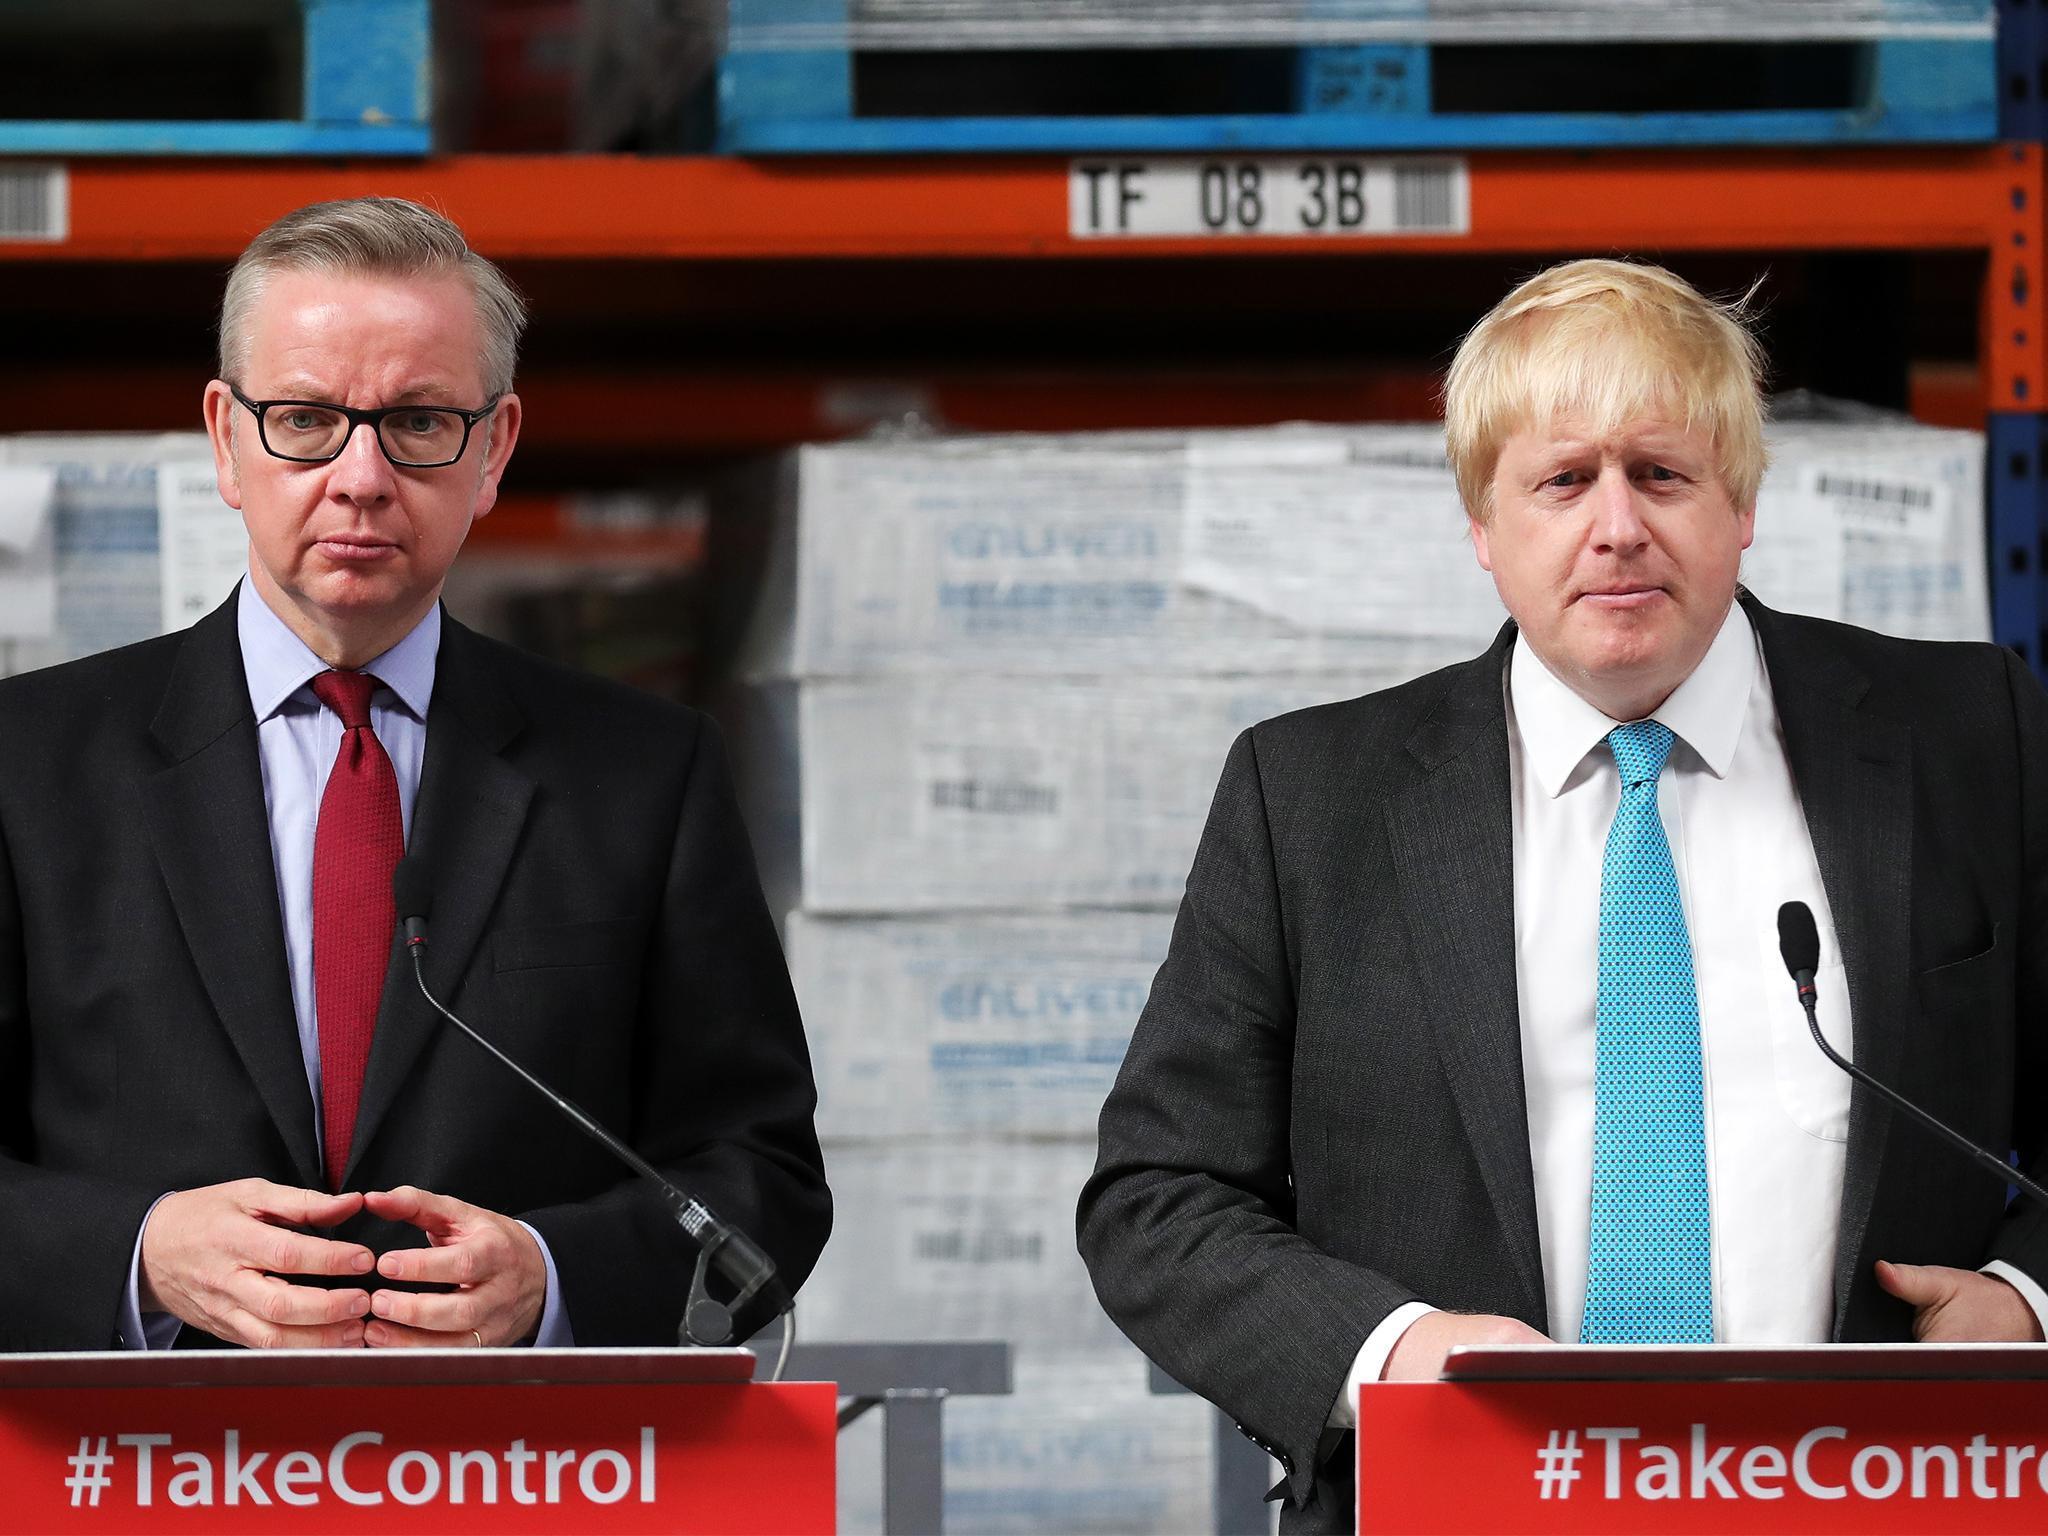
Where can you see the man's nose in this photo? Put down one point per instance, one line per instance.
(1618, 523)
(360, 472)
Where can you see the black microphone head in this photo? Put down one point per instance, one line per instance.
(412, 888)
(1798, 939)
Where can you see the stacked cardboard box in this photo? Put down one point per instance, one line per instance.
(84, 560)
(107, 539)
(995, 680)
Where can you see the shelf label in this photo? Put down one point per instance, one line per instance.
(1238, 197)
(35, 203)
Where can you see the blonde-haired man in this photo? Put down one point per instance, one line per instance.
(226, 1114)
(1474, 1030)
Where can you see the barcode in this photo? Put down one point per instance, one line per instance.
(34, 202)
(1425, 198)
(1881, 492)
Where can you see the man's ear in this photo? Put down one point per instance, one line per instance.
(1478, 531)
(219, 408)
(502, 437)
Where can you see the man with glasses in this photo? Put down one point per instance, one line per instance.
(226, 1114)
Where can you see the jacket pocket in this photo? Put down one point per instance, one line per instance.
(1969, 982)
(565, 945)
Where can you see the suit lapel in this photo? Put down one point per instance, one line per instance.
(1854, 774)
(1452, 839)
(211, 835)
(467, 821)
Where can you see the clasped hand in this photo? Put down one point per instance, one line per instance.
(224, 1257)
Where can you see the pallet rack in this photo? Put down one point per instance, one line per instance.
(1989, 199)
(1983, 198)
(798, 216)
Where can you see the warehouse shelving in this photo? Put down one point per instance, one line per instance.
(624, 227)
(799, 226)
(796, 217)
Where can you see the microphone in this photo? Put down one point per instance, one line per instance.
(721, 1246)
(1799, 945)
(1798, 942)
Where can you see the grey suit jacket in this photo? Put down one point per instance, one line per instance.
(1322, 1117)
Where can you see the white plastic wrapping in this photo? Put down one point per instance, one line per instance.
(1295, 549)
(1878, 526)
(964, 1024)
(108, 558)
(1161, 553)
(956, 1239)
(921, 794)
(935, 24)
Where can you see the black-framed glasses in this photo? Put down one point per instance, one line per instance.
(412, 436)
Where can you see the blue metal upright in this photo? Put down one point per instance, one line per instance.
(2016, 438)
(2014, 484)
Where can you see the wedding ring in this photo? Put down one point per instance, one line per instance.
(478, 1337)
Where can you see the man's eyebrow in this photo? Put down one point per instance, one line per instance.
(304, 387)
(1562, 451)
(299, 386)
(1668, 448)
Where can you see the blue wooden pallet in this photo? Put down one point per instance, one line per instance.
(367, 91)
(1378, 96)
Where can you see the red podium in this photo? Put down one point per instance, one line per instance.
(1672, 1439)
(443, 1440)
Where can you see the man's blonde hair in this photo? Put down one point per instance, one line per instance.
(373, 237)
(1603, 344)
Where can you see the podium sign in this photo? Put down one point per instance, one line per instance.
(1706, 1440)
(447, 1441)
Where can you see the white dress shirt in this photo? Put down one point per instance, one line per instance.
(1777, 1111)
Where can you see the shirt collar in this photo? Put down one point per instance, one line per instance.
(277, 663)
(1706, 711)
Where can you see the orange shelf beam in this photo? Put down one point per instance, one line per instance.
(624, 207)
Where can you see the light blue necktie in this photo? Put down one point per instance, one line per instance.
(1649, 1274)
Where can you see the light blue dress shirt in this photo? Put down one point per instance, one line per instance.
(297, 739)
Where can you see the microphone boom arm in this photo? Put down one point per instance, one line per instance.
(739, 1258)
(1955, 1138)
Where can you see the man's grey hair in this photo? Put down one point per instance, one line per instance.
(373, 237)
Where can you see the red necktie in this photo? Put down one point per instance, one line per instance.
(357, 844)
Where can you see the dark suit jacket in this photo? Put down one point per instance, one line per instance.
(1322, 1117)
(596, 913)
